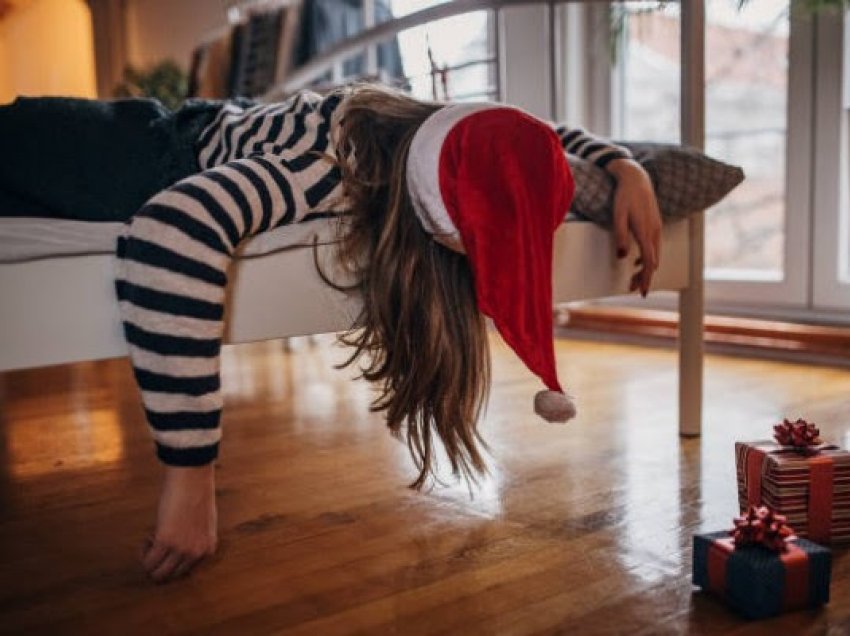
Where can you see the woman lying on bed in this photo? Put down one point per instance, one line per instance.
(450, 216)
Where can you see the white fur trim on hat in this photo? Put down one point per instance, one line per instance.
(423, 166)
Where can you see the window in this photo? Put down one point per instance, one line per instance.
(776, 104)
(746, 119)
(449, 59)
(453, 58)
(647, 72)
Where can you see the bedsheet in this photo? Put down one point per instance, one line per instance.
(30, 238)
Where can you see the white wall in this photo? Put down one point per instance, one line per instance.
(162, 29)
(46, 49)
(524, 58)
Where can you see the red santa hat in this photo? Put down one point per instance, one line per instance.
(495, 180)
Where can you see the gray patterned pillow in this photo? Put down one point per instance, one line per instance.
(685, 181)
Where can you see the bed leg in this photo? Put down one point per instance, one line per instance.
(691, 318)
(691, 303)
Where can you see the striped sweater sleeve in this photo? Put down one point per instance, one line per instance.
(579, 142)
(171, 278)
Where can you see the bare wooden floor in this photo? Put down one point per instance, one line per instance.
(582, 529)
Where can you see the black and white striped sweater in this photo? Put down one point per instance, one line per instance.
(262, 167)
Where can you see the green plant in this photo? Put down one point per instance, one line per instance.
(165, 81)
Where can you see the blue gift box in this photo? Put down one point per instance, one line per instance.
(760, 583)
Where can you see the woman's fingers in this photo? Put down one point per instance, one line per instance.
(657, 247)
(646, 280)
(165, 570)
(655, 225)
(621, 228)
(635, 281)
(153, 553)
(636, 215)
(163, 563)
(186, 566)
(641, 281)
(647, 236)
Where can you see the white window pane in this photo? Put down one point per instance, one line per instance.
(844, 225)
(746, 124)
(649, 59)
(405, 7)
(462, 44)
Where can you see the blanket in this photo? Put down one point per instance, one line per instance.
(91, 160)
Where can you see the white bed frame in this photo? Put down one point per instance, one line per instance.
(63, 309)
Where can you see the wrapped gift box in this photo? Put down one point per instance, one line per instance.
(811, 489)
(760, 583)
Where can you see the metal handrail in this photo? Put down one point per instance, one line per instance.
(321, 64)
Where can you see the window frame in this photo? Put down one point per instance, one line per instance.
(805, 293)
(586, 93)
(791, 290)
(831, 160)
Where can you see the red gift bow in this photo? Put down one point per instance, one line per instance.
(803, 438)
(762, 526)
(800, 435)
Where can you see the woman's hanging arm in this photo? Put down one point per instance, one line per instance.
(171, 280)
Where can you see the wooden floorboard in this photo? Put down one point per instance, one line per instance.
(580, 529)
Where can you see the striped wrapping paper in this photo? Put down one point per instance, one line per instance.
(786, 478)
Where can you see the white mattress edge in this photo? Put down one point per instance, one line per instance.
(25, 239)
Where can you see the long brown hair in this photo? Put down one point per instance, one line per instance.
(420, 336)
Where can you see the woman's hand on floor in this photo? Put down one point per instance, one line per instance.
(186, 526)
(636, 213)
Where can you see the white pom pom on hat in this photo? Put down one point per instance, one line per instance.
(495, 180)
(553, 406)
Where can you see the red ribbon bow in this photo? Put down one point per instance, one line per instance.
(762, 526)
(800, 435)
